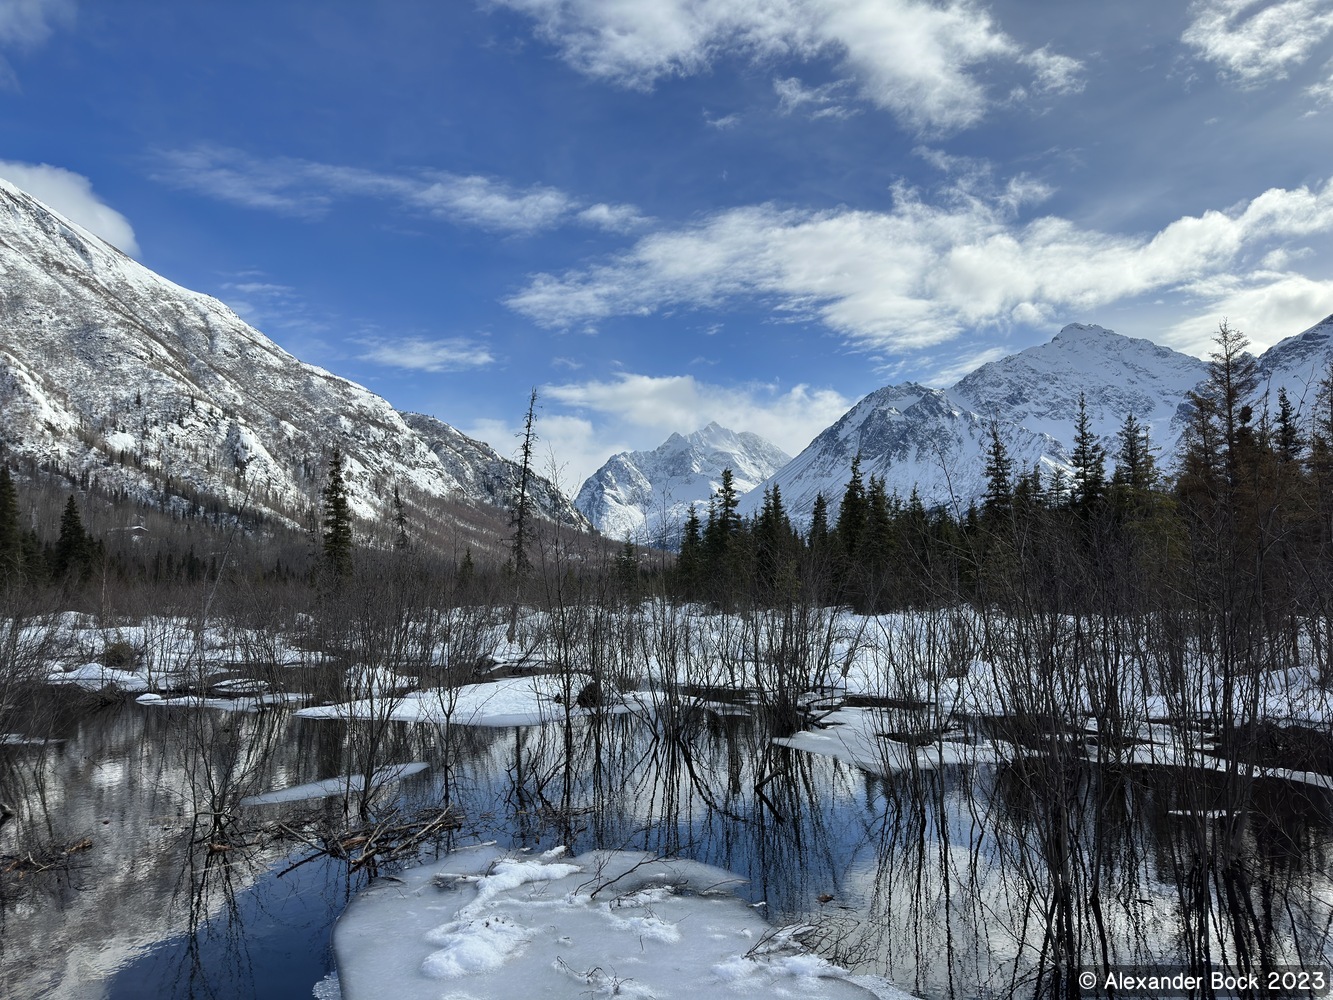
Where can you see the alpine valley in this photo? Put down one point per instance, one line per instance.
(117, 378)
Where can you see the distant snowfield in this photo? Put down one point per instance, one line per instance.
(485, 924)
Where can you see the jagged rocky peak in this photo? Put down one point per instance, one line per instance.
(111, 371)
(645, 496)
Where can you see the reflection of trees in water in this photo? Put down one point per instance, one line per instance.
(948, 881)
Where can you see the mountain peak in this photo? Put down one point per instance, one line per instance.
(647, 494)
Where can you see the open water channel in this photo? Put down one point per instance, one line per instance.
(964, 880)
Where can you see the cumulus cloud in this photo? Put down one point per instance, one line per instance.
(661, 405)
(1267, 306)
(72, 196)
(919, 60)
(920, 273)
(1253, 43)
(307, 189)
(26, 24)
(580, 425)
(450, 354)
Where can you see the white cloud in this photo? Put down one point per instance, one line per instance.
(72, 196)
(1253, 43)
(723, 123)
(307, 189)
(580, 425)
(26, 24)
(450, 354)
(1266, 306)
(613, 218)
(921, 273)
(817, 102)
(917, 59)
(661, 405)
(491, 204)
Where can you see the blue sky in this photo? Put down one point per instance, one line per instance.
(669, 212)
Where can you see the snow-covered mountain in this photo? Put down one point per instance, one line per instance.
(1038, 388)
(937, 441)
(645, 496)
(1297, 364)
(109, 370)
(914, 438)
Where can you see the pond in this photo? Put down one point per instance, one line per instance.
(132, 871)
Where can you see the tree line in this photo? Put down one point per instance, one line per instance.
(1246, 523)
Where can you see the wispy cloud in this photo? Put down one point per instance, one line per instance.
(816, 102)
(72, 196)
(307, 189)
(921, 61)
(450, 354)
(1253, 43)
(25, 25)
(921, 273)
(723, 122)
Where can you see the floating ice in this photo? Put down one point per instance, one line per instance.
(335, 786)
(484, 924)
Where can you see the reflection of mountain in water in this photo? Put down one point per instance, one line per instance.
(929, 873)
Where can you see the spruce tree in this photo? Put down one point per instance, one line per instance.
(11, 538)
(337, 520)
(819, 531)
(852, 513)
(999, 470)
(399, 521)
(73, 551)
(1089, 461)
(1290, 443)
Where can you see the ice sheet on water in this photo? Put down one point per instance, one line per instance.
(511, 701)
(335, 786)
(855, 735)
(487, 924)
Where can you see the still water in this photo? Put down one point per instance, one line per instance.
(962, 881)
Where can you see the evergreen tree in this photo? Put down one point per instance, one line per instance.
(1290, 443)
(400, 541)
(999, 469)
(11, 536)
(819, 531)
(337, 520)
(466, 569)
(1089, 461)
(852, 513)
(689, 564)
(72, 554)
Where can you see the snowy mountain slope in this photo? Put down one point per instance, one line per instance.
(111, 371)
(482, 474)
(1039, 388)
(913, 437)
(937, 441)
(1297, 364)
(646, 495)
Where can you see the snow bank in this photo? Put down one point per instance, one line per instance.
(484, 924)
